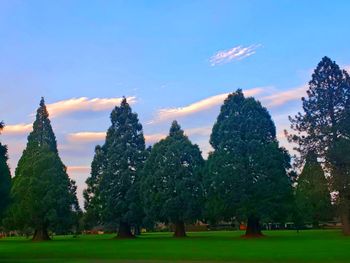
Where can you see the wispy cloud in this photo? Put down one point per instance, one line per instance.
(202, 105)
(68, 106)
(235, 53)
(280, 98)
(17, 129)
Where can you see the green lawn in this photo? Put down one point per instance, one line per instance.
(278, 246)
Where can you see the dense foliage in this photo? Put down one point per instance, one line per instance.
(323, 127)
(44, 198)
(312, 196)
(245, 175)
(171, 184)
(5, 179)
(113, 187)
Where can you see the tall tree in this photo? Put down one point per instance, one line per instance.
(171, 185)
(43, 195)
(312, 195)
(113, 184)
(323, 127)
(245, 175)
(5, 178)
(91, 194)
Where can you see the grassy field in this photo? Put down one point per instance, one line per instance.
(278, 246)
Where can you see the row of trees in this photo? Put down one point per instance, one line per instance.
(247, 177)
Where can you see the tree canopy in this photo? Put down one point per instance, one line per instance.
(245, 175)
(44, 198)
(5, 178)
(323, 127)
(113, 187)
(313, 199)
(171, 184)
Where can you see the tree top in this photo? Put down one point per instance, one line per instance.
(175, 129)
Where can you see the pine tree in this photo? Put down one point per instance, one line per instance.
(245, 175)
(171, 185)
(324, 128)
(312, 194)
(115, 175)
(5, 178)
(44, 196)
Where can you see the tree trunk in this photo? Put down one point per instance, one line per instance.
(124, 231)
(180, 229)
(137, 230)
(345, 222)
(41, 234)
(253, 227)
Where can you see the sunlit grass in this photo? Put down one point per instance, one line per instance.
(277, 246)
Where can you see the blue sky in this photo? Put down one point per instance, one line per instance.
(174, 59)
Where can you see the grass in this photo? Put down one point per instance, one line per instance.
(278, 246)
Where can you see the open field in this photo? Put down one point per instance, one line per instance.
(279, 246)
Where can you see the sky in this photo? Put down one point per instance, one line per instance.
(171, 59)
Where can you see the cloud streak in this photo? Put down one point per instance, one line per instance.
(17, 129)
(199, 106)
(235, 53)
(86, 137)
(281, 98)
(68, 106)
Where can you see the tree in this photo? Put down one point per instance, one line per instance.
(113, 185)
(5, 178)
(43, 195)
(313, 199)
(92, 203)
(245, 175)
(324, 128)
(171, 184)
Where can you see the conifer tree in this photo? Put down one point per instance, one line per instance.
(245, 175)
(44, 198)
(171, 184)
(112, 192)
(5, 178)
(323, 127)
(91, 194)
(312, 194)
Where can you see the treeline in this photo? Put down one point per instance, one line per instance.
(247, 177)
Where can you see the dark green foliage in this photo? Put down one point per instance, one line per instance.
(245, 176)
(5, 178)
(324, 128)
(113, 188)
(92, 204)
(171, 185)
(44, 198)
(313, 199)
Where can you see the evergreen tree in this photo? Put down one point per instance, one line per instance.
(112, 192)
(92, 203)
(313, 199)
(43, 195)
(245, 175)
(5, 178)
(324, 128)
(171, 185)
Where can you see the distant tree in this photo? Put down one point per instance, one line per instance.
(112, 193)
(312, 194)
(324, 128)
(43, 195)
(245, 175)
(171, 185)
(5, 178)
(91, 195)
